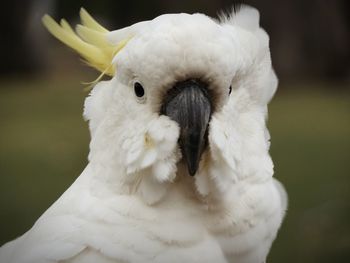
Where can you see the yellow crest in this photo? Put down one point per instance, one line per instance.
(89, 40)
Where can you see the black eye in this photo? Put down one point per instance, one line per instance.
(139, 91)
(230, 90)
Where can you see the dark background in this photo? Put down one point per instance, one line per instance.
(44, 141)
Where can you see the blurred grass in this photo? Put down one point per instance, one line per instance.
(310, 131)
(44, 145)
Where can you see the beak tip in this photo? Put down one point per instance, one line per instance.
(192, 160)
(192, 166)
(192, 172)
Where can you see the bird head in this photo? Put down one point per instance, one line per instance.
(178, 66)
(182, 86)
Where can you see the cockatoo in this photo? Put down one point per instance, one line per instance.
(179, 167)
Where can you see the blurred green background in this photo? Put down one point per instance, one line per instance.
(44, 139)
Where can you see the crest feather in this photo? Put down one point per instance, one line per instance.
(89, 40)
(244, 16)
(89, 22)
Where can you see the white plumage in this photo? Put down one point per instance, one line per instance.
(135, 201)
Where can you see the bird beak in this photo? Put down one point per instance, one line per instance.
(188, 103)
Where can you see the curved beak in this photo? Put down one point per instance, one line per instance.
(188, 103)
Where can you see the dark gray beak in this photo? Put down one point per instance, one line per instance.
(188, 103)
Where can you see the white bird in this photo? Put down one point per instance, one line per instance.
(188, 96)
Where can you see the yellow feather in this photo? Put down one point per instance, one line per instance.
(90, 41)
(88, 21)
(94, 82)
(91, 36)
(65, 25)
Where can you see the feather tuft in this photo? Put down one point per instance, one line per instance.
(89, 40)
(244, 16)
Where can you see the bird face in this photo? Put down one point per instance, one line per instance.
(181, 66)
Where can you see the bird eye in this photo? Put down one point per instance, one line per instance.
(139, 90)
(230, 90)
